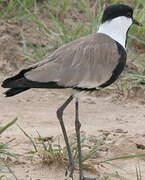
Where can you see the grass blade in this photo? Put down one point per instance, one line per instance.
(7, 125)
(42, 141)
(31, 140)
(123, 157)
(138, 172)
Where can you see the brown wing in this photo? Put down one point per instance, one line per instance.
(87, 62)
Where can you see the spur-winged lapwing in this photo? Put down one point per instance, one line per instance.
(91, 62)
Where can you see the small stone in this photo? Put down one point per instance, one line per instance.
(120, 131)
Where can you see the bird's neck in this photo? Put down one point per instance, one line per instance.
(117, 29)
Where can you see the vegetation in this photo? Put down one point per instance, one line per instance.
(49, 152)
(5, 155)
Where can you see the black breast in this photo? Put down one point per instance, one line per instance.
(119, 68)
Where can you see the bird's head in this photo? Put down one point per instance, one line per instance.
(120, 13)
(116, 21)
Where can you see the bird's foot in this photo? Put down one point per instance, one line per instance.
(69, 174)
(68, 178)
(88, 178)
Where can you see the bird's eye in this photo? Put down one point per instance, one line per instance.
(129, 14)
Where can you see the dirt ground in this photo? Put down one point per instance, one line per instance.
(116, 120)
(122, 124)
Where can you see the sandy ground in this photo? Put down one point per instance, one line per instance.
(36, 110)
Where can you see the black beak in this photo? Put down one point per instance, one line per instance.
(137, 23)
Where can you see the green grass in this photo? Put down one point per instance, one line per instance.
(4, 152)
(61, 31)
(2, 129)
(136, 33)
(12, 8)
(49, 152)
(65, 20)
(2, 177)
(129, 156)
(5, 146)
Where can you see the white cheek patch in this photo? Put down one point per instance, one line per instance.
(116, 29)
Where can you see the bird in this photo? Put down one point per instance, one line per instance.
(86, 64)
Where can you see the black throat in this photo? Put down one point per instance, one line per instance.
(119, 68)
(127, 36)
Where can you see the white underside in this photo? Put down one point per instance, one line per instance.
(116, 29)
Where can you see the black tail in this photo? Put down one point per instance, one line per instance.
(14, 91)
(14, 87)
(11, 82)
(19, 83)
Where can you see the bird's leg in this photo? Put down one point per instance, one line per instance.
(77, 127)
(60, 117)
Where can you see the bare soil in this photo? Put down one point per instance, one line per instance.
(117, 121)
(120, 124)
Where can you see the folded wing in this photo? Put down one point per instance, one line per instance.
(84, 63)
